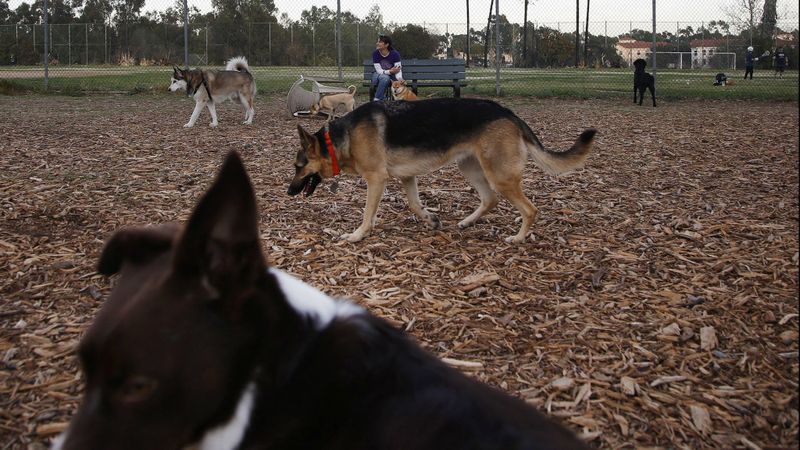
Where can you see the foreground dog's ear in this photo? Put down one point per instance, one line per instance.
(221, 241)
(135, 245)
(307, 140)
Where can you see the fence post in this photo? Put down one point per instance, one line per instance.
(269, 34)
(358, 44)
(69, 44)
(339, 37)
(497, 54)
(46, 50)
(86, 34)
(186, 34)
(654, 41)
(105, 43)
(313, 46)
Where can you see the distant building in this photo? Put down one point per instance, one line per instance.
(702, 51)
(630, 49)
(786, 40)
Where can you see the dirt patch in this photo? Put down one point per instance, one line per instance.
(655, 305)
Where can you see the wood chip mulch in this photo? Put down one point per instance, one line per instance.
(655, 305)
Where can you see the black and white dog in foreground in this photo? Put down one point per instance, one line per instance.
(201, 345)
(643, 80)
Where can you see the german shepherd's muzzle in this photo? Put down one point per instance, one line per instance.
(306, 184)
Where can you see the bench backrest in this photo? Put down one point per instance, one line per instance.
(426, 69)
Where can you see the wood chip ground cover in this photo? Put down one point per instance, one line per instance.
(656, 304)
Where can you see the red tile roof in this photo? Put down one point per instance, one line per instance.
(706, 43)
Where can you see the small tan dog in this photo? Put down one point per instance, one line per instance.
(329, 103)
(400, 91)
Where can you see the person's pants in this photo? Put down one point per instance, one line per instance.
(383, 81)
(748, 69)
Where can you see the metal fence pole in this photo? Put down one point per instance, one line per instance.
(105, 44)
(186, 34)
(269, 37)
(86, 35)
(313, 46)
(654, 41)
(339, 37)
(497, 55)
(69, 45)
(46, 52)
(358, 44)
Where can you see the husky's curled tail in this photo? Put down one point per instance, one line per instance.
(238, 63)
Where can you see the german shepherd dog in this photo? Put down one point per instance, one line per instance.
(202, 346)
(406, 139)
(210, 87)
(643, 80)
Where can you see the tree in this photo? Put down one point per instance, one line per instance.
(96, 11)
(6, 15)
(413, 41)
(769, 19)
(743, 14)
(28, 13)
(374, 18)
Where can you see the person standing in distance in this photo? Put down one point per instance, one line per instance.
(749, 61)
(387, 64)
(781, 61)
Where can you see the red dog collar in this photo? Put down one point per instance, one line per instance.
(332, 151)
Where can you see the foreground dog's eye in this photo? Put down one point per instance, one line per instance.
(136, 389)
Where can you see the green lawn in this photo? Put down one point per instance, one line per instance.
(674, 84)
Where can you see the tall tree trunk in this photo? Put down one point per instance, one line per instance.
(769, 19)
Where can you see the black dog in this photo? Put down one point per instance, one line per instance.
(643, 80)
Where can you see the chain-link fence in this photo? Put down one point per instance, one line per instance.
(583, 54)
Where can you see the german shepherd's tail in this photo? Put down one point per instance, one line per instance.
(351, 89)
(238, 63)
(558, 162)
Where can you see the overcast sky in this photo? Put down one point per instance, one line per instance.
(541, 11)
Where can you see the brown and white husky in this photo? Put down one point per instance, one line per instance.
(209, 87)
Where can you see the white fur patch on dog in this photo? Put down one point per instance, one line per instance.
(228, 436)
(308, 300)
(58, 441)
(177, 85)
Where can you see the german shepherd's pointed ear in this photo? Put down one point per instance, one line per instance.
(135, 245)
(221, 242)
(307, 140)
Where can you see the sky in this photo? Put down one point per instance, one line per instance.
(615, 12)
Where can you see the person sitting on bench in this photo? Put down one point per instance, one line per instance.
(387, 64)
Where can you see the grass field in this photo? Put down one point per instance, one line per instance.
(672, 84)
